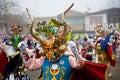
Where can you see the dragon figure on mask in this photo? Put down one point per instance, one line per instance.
(48, 37)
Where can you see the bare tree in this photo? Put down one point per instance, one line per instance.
(5, 6)
(8, 12)
(16, 19)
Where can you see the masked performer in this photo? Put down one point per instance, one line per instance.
(32, 48)
(14, 66)
(103, 49)
(9, 51)
(56, 65)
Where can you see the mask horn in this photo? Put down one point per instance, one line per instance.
(63, 14)
(5, 29)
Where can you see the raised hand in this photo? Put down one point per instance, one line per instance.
(75, 50)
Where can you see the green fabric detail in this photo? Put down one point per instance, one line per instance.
(54, 23)
(16, 40)
(68, 37)
(41, 28)
(49, 29)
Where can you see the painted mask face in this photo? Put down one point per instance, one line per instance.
(54, 53)
(52, 42)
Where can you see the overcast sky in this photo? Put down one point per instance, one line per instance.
(45, 8)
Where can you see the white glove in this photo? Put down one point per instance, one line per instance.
(73, 47)
(75, 50)
(112, 28)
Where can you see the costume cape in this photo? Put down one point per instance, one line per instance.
(94, 71)
(90, 71)
(111, 56)
(3, 62)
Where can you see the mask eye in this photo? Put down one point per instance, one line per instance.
(53, 47)
(55, 54)
(48, 49)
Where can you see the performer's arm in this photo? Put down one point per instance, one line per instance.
(33, 64)
(76, 60)
(3, 47)
(76, 64)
